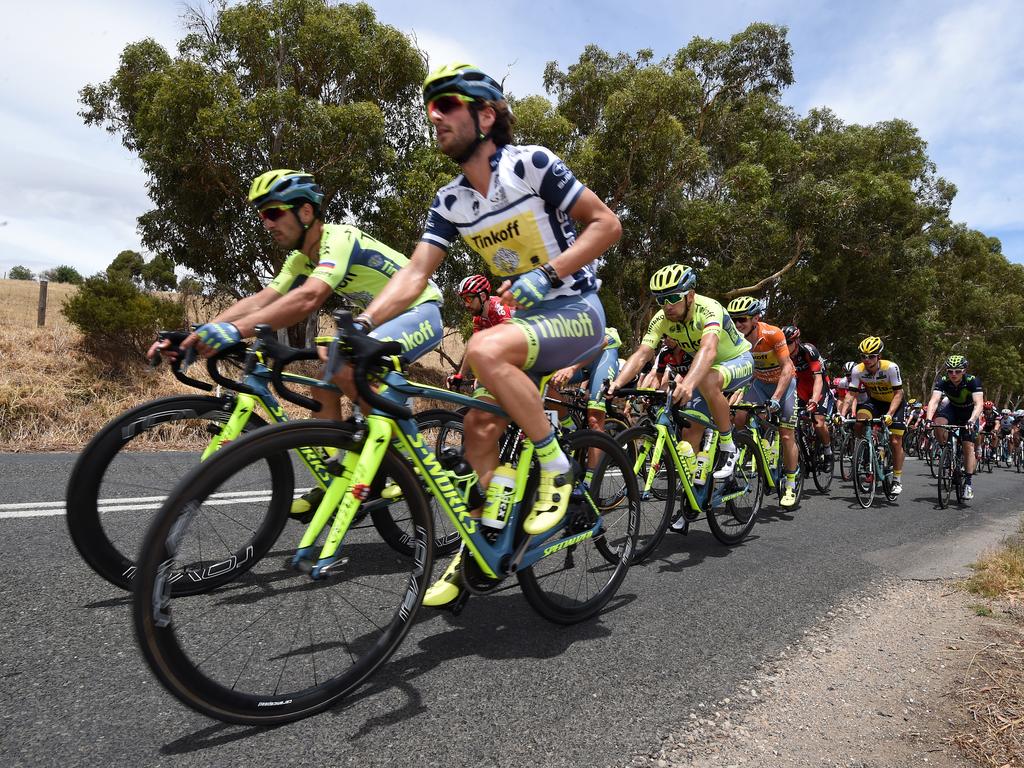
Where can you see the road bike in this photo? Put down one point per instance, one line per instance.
(131, 464)
(951, 474)
(814, 462)
(872, 462)
(763, 426)
(304, 616)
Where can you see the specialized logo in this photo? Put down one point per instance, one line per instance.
(442, 480)
(568, 542)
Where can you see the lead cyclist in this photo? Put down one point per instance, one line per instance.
(515, 206)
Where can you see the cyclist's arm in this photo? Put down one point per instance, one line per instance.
(407, 284)
(897, 398)
(601, 231)
(287, 309)
(933, 404)
(636, 361)
(979, 405)
(785, 375)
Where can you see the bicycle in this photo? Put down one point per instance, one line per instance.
(765, 432)
(290, 634)
(731, 506)
(813, 459)
(126, 467)
(951, 474)
(872, 463)
(843, 441)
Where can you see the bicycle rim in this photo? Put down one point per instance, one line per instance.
(863, 474)
(576, 582)
(273, 645)
(655, 510)
(736, 501)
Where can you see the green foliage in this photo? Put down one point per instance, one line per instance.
(62, 274)
(157, 275)
(20, 273)
(115, 316)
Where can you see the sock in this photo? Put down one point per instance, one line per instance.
(791, 479)
(550, 455)
(968, 476)
(566, 422)
(828, 449)
(588, 478)
(725, 442)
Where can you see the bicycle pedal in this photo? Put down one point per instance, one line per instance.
(456, 605)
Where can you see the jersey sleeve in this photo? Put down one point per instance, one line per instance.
(813, 359)
(293, 273)
(855, 383)
(711, 316)
(439, 230)
(549, 177)
(655, 330)
(336, 245)
(895, 378)
(975, 385)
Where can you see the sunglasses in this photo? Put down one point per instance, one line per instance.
(669, 298)
(273, 214)
(868, 357)
(450, 102)
(741, 318)
(955, 370)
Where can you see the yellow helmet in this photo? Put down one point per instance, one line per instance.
(872, 345)
(744, 306)
(284, 186)
(675, 278)
(461, 78)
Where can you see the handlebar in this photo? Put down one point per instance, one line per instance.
(182, 359)
(366, 351)
(283, 356)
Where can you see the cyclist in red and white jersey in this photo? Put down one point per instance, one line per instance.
(812, 388)
(487, 312)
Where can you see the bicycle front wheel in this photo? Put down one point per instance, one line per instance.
(126, 471)
(657, 501)
(846, 445)
(944, 475)
(576, 582)
(736, 502)
(274, 645)
(863, 473)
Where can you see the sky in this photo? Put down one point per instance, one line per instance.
(953, 69)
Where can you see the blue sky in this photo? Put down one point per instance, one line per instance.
(952, 68)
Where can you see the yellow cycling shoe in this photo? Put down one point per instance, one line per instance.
(391, 492)
(304, 507)
(447, 589)
(788, 497)
(552, 502)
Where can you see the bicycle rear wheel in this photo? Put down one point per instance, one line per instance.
(126, 471)
(576, 582)
(944, 475)
(824, 467)
(655, 509)
(846, 456)
(863, 473)
(736, 501)
(274, 645)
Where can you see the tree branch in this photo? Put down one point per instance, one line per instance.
(762, 283)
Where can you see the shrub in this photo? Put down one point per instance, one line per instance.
(20, 273)
(62, 274)
(115, 317)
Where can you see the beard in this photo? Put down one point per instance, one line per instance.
(458, 145)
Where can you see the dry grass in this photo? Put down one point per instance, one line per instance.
(993, 697)
(54, 397)
(1000, 573)
(19, 302)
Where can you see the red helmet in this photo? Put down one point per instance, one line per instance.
(988, 405)
(474, 284)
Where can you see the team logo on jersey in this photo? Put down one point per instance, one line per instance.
(503, 243)
(506, 260)
(376, 261)
(362, 298)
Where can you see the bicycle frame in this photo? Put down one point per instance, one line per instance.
(496, 560)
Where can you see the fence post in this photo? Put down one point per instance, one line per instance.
(41, 315)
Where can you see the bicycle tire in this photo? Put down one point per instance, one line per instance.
(605, 558)
(863, 473)
(944, 475)
(655, 510)
(397, 530)
(824, 467)
(846, 457)
(959, 478)
(889, 477)
(275, 645)
(733, 521)
(105, 472)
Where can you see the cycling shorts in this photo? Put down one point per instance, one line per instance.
(418, 330)
(876, 409)
(760, 392)
(954, 415)
(561, 332)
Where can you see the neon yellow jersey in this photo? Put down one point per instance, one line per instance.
(354, 264)
(707, 316)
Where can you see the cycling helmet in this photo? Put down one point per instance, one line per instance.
(988, 405)
(285, 186)
(872, 345)
(675, 278)
(848, 367)
(474, 284)
(1005, 411)
(461, 78)
(792, 334)
(956, 361)
(743, 306)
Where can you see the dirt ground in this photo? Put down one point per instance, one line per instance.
(895, 677)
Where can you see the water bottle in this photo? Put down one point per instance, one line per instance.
(700, 472)
(500, 494)
(689, 458)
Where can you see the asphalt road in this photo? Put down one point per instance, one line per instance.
(495, 686)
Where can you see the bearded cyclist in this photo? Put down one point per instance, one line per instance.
(487, 312)
(514, 206)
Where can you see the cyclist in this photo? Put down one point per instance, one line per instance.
(514, 206)
(880, 380)
(323, 259)
(774, 381)
(669, 354)
(721, 356)
(812, 386)
(487, 312)
(964, 399)
(991, 427)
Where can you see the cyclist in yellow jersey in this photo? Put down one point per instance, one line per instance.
(880, 380)
(721, 356)
(516, 207)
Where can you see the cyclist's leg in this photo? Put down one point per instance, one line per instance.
(787, 434)
(723, 377)
(605, 368)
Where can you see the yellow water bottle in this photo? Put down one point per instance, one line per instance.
(688, 457)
